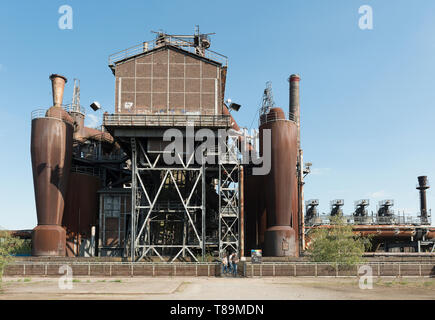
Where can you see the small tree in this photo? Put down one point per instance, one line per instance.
(8, 246)
(337, 244)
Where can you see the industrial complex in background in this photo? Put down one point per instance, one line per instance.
(110, 192)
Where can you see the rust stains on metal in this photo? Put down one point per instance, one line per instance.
(81, 209)
(58, 87)
(51, 153)
(280, 237)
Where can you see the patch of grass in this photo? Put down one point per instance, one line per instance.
(403, 282)
(428, 283)
(76, 280)
(388, 284)
(102, 280)
(117, 280)
(19, 280)
(27, 279)
(88, 281)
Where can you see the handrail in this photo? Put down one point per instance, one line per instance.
(150, 45)
(266, 118)
(165, 120)
(72, 107)
(40, 113)
(393, 220)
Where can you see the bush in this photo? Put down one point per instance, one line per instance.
(337, 244)
(8, 246)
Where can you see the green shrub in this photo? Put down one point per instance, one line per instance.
(337, 244)
(8, 246)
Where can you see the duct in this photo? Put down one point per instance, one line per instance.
(51, 155)
(56, 111)
(83, 134)
(236, 127)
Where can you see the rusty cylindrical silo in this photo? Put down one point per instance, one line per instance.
(51, 153)
(280, 237)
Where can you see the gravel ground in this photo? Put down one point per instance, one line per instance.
(286, 288)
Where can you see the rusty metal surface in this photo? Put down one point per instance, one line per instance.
(295, 212)
(294, 104)
(48, 240)
(81, 210)
(51, 154)
(51, 151)
(280, 238)
(383, 231)
(58, 87)
(252, 191)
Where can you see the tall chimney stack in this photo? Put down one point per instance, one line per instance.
(423, 186)
(294, 105)
(58, 86)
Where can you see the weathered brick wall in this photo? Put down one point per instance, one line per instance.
(170, 81)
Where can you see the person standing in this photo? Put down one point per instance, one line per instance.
(234, 262)
(224, 264)
(230, 262)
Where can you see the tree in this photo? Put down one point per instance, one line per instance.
(9, 245)
(337, 244)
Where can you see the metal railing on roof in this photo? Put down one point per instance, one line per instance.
(72, 107)
(150, 45)
(394, 219)
(40, 113)
(169, 120)
(266, 117)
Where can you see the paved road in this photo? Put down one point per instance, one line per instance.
(287, 288)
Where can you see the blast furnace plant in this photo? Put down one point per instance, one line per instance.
(147, 186)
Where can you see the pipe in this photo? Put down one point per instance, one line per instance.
(294, 115)
(423, 186)
(58, 87)
(236, 127)
(294, 104)
(56, 111)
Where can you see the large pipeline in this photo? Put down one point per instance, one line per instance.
(51, 153)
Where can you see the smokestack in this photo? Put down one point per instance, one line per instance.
(58, 86)
(294, 105)
(422, 186)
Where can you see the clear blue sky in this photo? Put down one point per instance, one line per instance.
(367, 97)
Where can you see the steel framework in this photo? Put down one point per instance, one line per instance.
(174, 197)
(229, 197)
